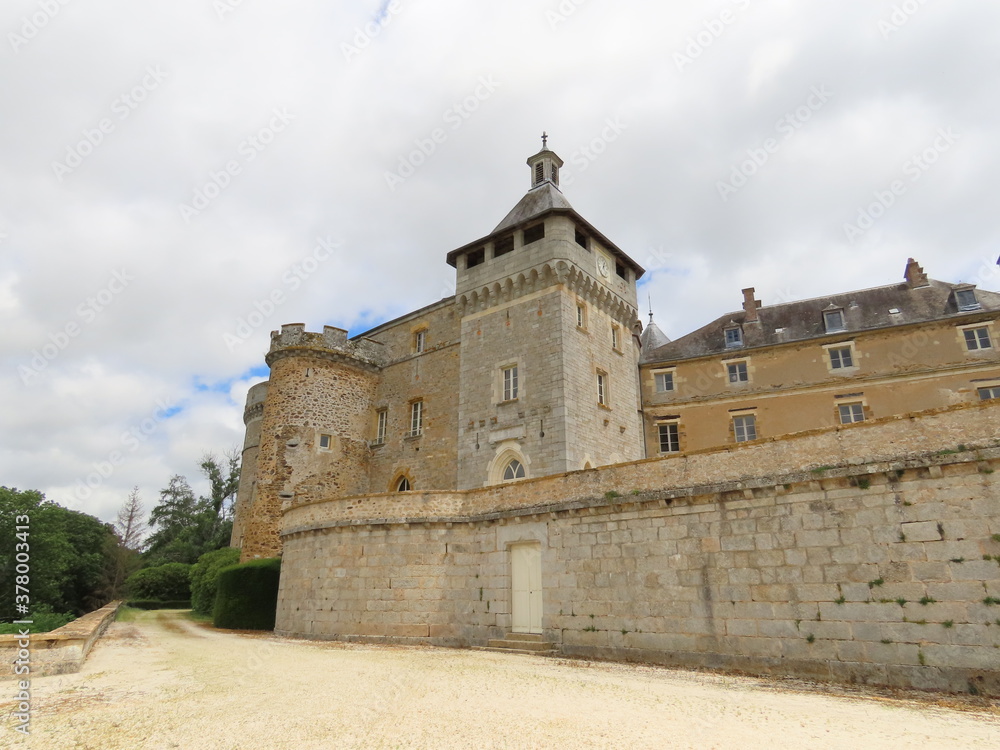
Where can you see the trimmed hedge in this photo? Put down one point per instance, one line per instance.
(205, 576)
(170, 582)
(158, 604)
(247, 595)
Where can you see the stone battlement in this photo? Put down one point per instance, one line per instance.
(332, 343)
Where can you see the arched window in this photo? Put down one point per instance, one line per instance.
(403, 485)
(514, 470)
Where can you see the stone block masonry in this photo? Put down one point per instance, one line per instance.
(882, 571)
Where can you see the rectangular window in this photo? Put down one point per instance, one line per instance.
(977, 338)
(383, 420)
(582, 240)
(841, 358)
(474, 257)
(510, 383)
(416, 418)
(664, 381)
(745, 428)
(620, 270)
(533, 234)
(602, 389)
(581, 316)
(503, 246)
(738, 372)
(734, 338)
(539, 172)
(850, 413)
(989, 392)
(615, 344)
(966, 299)
(419, 341)
(834, 321)
(324, 441)
(669, 437)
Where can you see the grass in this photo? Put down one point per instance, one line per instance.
(876, 582)
(821, 469)
(840, 599)
(864, 483)
(901, 602)
(957, 560)
(989, 601)
(921, 659)
(127, 614)
(611, 495)
(886, 641)
(197, 616)
(590, 629)
(810, 638)
(925, 600)
(948, 623)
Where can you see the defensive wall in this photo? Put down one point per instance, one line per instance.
(868, 553)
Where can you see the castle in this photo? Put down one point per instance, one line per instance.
(482, 443)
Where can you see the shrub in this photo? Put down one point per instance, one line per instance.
(170, 582)
(43, 619)
(247, 595)
(205, 574)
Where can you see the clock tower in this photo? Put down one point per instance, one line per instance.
(549, 364)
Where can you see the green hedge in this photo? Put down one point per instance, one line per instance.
(170, 582)
(205, 576)
(247, 595)
(158, 604)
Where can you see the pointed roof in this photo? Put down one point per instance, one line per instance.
(652, 338)
(536, 202)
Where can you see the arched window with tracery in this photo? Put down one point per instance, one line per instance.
(513, 470)
(403, 485)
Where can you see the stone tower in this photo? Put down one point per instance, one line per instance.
(312, 430)
(548, 374)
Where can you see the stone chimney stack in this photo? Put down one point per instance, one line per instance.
(914, 275)
(750, 305)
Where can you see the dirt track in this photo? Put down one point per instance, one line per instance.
(163, 682)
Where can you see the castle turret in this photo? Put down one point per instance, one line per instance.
(313, 429)
(253, 415)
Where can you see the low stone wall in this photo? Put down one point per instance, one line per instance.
(59, 651)
(879, 564)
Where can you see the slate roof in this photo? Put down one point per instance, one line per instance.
(537, 201)
(652, 337)
(864, 310)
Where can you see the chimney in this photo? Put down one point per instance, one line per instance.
(750, 305)
(914, 275)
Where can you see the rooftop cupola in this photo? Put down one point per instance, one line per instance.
(545, 165)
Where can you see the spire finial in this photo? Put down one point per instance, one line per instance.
(649, 297)
(545, 140)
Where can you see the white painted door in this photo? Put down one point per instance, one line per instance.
(526, 585)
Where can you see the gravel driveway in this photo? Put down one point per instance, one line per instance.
(164, 682)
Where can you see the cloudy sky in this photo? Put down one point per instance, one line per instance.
(179, 178)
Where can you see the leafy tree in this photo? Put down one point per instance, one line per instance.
(205, 574)
(188, 526)
(169, 582)
(68, 555)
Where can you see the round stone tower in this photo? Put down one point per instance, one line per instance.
(314, 429)
(253, 418)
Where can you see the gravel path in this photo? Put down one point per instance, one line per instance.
(163, 682)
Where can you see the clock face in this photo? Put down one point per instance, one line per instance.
(603, 267)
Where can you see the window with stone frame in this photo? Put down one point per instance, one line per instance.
(602, 388)
(977, 338)
(416, 418)
(833, 321)
(664, 381)
(745, 428)
(851, 413)
(510, 382)
(513, 471)
(988, 392)
(738, 372)
(841, 358)
(669, 435)
(381, 425)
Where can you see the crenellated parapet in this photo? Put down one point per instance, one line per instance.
(333, 344)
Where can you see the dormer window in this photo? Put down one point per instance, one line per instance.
(734, 337)
(833, 320)
(966, 299)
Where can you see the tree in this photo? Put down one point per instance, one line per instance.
(124, 549)
(188, 526)
(67, 555)
(129, 523)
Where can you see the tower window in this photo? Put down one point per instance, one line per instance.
(602, 388)
(403, 485)
(416, 418)
(419, 341)
(582, 240)
(581, 316)
(324, 441)
(503, 246)
(474, 257)
(514, 470)
(533, 234)
(555, 174)
(620, 270)
(539, 173)
(510, 386)
(380, 430)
